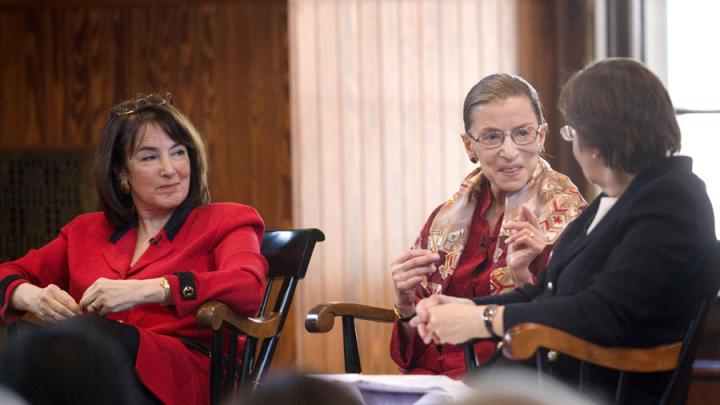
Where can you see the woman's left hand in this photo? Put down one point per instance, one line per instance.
(524, 245)
(452, 322)
(106, 295)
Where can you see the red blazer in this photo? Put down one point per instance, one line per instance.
(218, 245)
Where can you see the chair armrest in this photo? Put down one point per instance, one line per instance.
(214, 315)
(321, 317)
(522, 341)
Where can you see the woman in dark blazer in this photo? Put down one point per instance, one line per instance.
(154, 254)
(622, 273)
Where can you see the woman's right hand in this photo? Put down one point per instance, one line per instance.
(408, 271)
(49, 304)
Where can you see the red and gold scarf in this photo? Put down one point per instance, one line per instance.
(551, 196)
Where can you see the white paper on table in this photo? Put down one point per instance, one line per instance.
(445, 386)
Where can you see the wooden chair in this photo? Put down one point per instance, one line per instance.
(524, 341)
(288, 254)
(321, 319)
(705, 382)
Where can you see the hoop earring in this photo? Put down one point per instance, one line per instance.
(124, 187)
(474, 159)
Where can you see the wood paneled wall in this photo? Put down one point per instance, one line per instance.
(63, 64)
(555, 39)
(225, 63)
(376, 97)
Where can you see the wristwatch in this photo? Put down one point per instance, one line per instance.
(399, 317)
(488, 315)
(168, 292)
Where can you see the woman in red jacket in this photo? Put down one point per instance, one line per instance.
(155, 253)
(496, 232)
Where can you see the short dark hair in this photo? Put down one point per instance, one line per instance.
(118, 140)
(620, 107)
(496, 87)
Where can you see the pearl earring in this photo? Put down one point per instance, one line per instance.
(594, 155)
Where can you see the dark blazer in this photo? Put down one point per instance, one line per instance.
(209, 253)
(632, 281)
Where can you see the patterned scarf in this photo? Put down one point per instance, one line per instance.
(551, 196)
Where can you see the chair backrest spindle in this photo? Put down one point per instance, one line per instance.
(288, 255)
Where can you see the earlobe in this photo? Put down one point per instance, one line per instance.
(465, 141)
(121, 174)
(123, 180)
(542, 131)
(468, 148)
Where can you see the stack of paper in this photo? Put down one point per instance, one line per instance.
(403, 389)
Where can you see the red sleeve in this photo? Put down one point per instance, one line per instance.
(406, 354)
(238, 278)
(41, 267)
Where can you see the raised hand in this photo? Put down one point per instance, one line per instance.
(408, 271)
(525, 243)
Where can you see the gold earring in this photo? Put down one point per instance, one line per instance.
(124, 186)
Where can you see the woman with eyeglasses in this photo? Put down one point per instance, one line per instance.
(156, 251)
(496, 232)
(626, 272)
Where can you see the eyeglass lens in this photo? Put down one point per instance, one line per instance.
(521, 136)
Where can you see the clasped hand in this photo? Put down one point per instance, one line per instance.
(443, 319)
(105, 295)
(52, 304)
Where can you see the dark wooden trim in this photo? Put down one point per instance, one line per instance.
(555, 39)
(619, 27)
(59, 4)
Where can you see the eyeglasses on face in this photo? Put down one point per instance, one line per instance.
(494, 139)
(141, 101)
(568, 133)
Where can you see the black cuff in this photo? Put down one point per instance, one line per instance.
(4, 284)
(187, 285)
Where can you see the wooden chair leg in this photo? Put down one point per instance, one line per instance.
(622, 383)
(263, 363)
(350, 345)
(248, 360)
(582, 376)
(216, 369)
(471, 360)
(229, 385)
